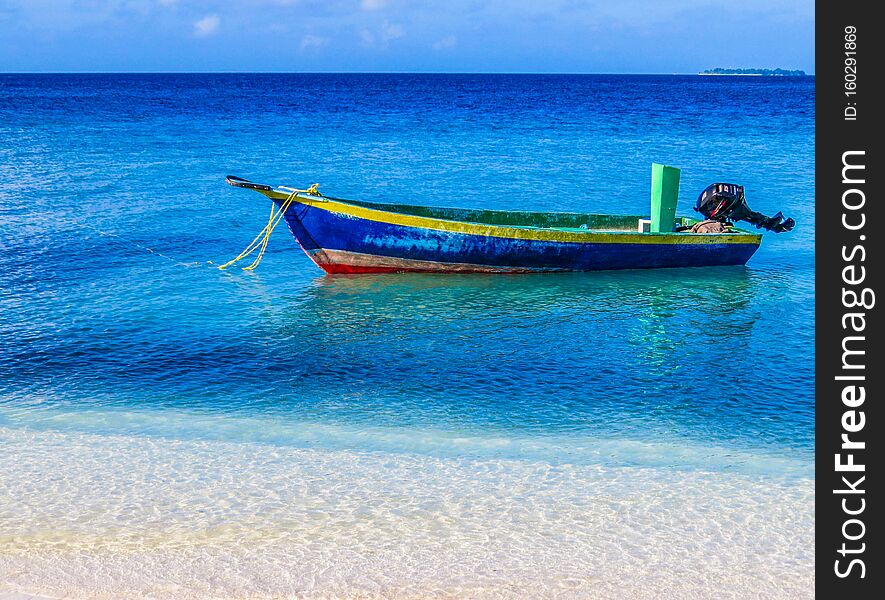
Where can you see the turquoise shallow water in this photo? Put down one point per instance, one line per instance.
(119, 338)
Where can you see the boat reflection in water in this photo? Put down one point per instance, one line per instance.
(587, 352)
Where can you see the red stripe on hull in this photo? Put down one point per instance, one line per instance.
(338, 269)
(338, 262)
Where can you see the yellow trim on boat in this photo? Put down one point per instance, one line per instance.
(521, 233)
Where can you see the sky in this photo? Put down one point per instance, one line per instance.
(534, 36)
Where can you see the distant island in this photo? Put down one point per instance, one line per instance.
(763, 72)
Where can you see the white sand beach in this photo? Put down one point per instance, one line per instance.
(98, 516)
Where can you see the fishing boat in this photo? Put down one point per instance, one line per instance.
(349, 236)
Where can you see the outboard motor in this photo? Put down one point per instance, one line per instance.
(726, 202)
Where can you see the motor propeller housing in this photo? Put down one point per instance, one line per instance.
(726, 202)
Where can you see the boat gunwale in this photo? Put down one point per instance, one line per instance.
(370, 211)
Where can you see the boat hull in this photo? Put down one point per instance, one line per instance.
(344, 238)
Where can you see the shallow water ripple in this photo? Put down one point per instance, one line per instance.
(174, 519)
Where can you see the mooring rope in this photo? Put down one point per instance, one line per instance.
(129, 242)
(261, 240)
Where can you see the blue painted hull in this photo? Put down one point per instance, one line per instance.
(343, 243)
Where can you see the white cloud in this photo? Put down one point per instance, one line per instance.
(366, 37)
(206, 26)
(391, 31)
(450, 41)
(312, 41)
(167, 2)
(381, 37)
(373, 4)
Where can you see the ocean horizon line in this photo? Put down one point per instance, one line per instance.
(554, 73)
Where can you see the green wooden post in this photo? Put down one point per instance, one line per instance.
(664, 195)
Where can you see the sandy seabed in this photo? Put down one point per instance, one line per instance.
(98, 516)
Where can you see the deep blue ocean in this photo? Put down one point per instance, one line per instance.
(115, 323)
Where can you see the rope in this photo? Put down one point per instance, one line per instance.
(261, 240)
(126, 241)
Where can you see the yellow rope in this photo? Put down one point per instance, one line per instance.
(260, 241)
